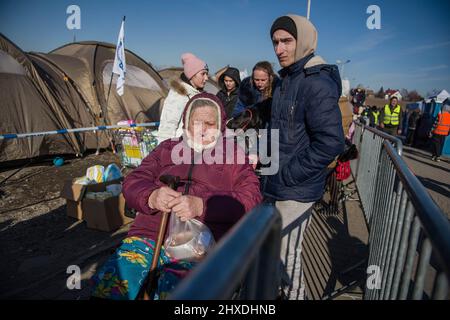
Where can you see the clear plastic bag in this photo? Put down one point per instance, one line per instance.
(188, 240)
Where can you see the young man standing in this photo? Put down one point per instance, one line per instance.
(305, 110)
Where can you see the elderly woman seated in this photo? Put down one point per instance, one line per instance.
(217, 193)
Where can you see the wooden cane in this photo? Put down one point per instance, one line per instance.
(172, 182)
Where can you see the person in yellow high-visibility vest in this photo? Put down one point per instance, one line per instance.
(440, 130)
(374, 117)
(391, 118)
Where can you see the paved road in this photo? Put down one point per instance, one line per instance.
(435, 176)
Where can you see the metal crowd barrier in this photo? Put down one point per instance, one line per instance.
(365, 169)
(409, 236)
(244, 265)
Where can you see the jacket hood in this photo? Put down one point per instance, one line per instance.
(306, 36)
(221, 115)
(182, 87)
(233, 73)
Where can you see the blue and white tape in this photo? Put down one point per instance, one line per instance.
(63, 131)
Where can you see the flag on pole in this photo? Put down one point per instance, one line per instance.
(120, 67)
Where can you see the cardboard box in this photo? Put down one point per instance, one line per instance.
(74, 194)
(74, 209)
(105, 215)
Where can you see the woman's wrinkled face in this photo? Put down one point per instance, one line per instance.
(203, 126)
(261, 80)
(199, 80)
(230, 84)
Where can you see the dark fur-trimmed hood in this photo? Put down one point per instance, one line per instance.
(183, 87)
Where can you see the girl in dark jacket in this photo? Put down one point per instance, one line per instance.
(219, 194)
(229, 83)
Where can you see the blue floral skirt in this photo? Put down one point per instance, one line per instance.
(125, 272)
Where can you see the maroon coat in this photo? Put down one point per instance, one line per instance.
(228, 190)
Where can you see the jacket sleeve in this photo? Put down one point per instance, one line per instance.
(140, 183)
(238, 108)
(381, 117)
(324, 124)
(171, 115)
(400, 120)
(230, 206)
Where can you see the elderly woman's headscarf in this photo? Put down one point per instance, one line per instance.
(202, 100)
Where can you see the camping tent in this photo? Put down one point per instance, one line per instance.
(68, 88)
(174, 72)
(439, 97)
(71, 99)
(89, 64)
(27, 105)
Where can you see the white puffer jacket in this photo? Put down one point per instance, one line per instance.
(170, 125)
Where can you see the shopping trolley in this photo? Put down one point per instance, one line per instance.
(134, 144)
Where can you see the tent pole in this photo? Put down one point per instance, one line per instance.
(104, 116)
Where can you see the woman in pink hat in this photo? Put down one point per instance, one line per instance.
(191, 82)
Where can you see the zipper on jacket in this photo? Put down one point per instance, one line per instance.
(291, 112)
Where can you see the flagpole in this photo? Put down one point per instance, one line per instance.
(109, 88)
(110, 80)
(105, 111)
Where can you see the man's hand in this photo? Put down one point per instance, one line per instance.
(382, 125)
(160, 198)
(186, 207)
(399, 131)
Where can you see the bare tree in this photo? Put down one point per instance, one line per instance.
(380, 93)
(414, 96)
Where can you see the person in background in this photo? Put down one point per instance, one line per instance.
(374, 117)
(440, 131)
(358, 99)
(229, 83)
(413, 120)
(365, 115)
(257, 88)
(391, 118)
(191, 82)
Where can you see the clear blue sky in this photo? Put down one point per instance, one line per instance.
(411, 50)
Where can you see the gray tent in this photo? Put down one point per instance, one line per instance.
(26, 105)
(68, 88)
(89, 65)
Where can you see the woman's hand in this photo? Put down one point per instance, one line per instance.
(253, 160)
(160, 198)
(186, 207)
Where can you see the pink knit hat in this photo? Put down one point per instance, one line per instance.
(192, 64)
